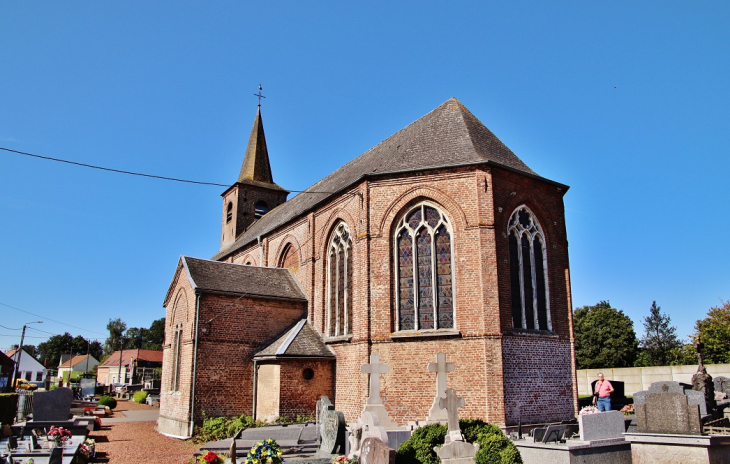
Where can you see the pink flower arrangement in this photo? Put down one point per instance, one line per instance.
(59, 435)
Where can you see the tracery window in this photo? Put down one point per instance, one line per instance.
(528, 272)
(339, 282)
(424, 281)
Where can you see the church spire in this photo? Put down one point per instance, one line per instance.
(256, 165)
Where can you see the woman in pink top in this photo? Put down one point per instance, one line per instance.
(603, 394)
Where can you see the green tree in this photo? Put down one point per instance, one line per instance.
(659, 345)
(51, 350)
(714, 333)
(116, 328)
(156, 335)
(604, 337)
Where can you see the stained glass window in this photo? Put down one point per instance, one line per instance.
(424, 282)
(528, 272)
(339, 283)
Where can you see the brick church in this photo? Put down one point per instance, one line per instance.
(438, 239)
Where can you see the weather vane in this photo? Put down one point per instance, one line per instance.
(259, 95)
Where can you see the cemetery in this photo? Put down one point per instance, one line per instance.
(672, 422)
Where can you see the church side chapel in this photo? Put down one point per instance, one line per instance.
(437, 240)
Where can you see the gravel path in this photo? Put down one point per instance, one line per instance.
(138, 442)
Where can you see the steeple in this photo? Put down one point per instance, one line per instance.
(254, 193)
(256, 165)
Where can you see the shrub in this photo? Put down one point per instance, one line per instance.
(8, 407)
(220, 428)
(494, 446)
(140, 396)
(107, 400)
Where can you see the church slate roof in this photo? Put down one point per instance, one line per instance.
(256, 169)
(216, 276)
(450, 135)
(300, 341)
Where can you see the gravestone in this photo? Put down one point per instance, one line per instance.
(601, 426)
(693, 397)
(441, 368)
(54, 405)
(455, 449)
(554, 433)
(375, 451)
(374, 403)
(367, 426)
(668, 413)
(331, 429)
(722, 385)
(702, 383)
(88, 387)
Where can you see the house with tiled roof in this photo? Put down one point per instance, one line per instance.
(76, 363)
(129, 367)
(438, 239)
(29, 369)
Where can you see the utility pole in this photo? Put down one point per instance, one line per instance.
(121, 350)
(20, 352)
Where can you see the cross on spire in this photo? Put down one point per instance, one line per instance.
(374, 369)
(259, 95)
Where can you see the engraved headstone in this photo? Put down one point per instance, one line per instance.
(441, 368)
(693, 397)
(374, 403)
(669, 413)
(54, 405)
(331, 429)
(375, 451)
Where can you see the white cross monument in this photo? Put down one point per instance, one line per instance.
(374, 403)
(441, 368)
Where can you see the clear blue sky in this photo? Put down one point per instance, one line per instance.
(626, 102)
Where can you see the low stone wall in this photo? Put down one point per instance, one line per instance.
(639, 378)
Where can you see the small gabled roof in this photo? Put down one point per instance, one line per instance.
(218, 277)
(299, 341)
(75, 360)
(154, 356)
(448, 136)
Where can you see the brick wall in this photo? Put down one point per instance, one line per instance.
(298, 396)
(478, 203)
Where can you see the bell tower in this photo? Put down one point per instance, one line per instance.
(255, 192)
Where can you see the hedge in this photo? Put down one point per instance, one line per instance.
(8, 407)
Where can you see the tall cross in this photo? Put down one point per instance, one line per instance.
(374, 369)
(259, 95)
(452, 403)
(441, 367)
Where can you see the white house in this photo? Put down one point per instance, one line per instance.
(29, 369)
(79, 363)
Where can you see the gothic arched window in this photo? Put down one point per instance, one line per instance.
(259, 209)
(528, 272)
(229, 212)
(423, 249)
(339, 282)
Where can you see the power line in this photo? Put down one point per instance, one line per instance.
(49, 319)
(132, 173)
(15, 336)
(8, 328)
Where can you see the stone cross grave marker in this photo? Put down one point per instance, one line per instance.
(451, 403)
(374, 369)
(441, 368)
(374, 403)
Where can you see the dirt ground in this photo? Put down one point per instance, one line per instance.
(138, 442)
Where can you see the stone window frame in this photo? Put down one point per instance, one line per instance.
(336, 330)
(176, 357)
(533, 233)
(401, 225)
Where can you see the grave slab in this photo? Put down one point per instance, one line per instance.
(648, 448)
(601, 425)
(614, 451)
